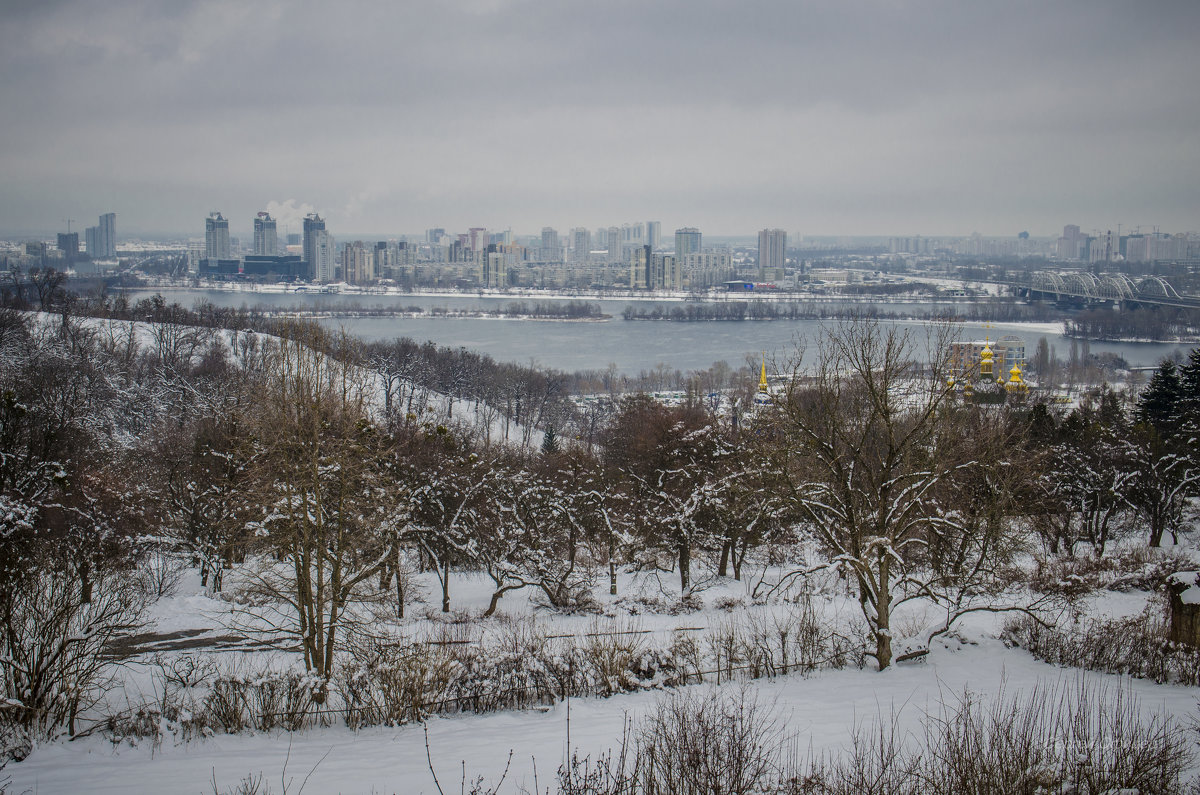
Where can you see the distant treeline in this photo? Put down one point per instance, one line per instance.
(1146, 323)
(565, 310)
(982, 311)
(542, 310)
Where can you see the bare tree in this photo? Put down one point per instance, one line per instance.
(53, 644)
(1163, 481)
(675, 463)
(322, 499)
(862, 442)
(450, 482)
(47, 284)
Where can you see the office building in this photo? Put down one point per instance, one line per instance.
(614, 244)
(687, 241)
(269, 268)
(265, 238)
(772, 254)
(216, 237)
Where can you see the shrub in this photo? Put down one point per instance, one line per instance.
(1133, 568)
(53, 662)
(391, 682)
(1063, 739)
(1078, 739)
(692, 743)
(1136, 646)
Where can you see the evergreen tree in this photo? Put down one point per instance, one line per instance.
(1159, 403)
(550, 441)
(1189, 404)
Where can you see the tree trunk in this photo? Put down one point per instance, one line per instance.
(685, 567)
(446, 586)
(612, 568)
(399, 588)
(85, 584)
(723, 566)
(498, 594)
(883, 614)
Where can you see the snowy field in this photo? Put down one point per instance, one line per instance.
(817, 712)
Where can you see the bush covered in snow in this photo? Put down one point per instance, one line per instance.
(1066, 739)
(1137, 646)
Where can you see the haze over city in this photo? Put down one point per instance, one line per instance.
(852, 118)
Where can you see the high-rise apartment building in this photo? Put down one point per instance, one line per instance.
(216, 237)
(478, 238)
(358, 263)
(614, 244)
(550, 247)
(493, 267)
(195, 253)
(1070, 245)
(266, 241)
(581, 244)
(108, 234)
(101, 240)
(641, 270)
(772, 253)
(687, 241)
(313, 224)
(68, 244)
(653, 234)
(324, 252)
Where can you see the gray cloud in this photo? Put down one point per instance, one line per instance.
(869, 117)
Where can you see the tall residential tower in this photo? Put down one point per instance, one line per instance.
(101, 240)
(772, 254)
(216, 237)
(687, 241)
(266, 241)
(313, 224)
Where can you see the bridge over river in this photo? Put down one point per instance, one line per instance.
(1085, 287)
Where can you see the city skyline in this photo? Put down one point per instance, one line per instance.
(892, 118)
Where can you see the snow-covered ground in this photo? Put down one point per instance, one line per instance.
(819, 712)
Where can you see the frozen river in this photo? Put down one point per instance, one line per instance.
(630, 345)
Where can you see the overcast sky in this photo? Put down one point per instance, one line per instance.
(835, 117)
